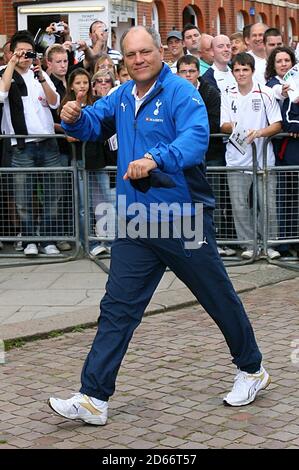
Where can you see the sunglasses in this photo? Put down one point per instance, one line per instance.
(104, 66)
(107, 80)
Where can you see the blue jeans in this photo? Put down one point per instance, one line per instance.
(37, 195)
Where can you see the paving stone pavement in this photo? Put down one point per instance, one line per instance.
(170, 387)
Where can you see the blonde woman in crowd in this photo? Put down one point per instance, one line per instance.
(102, 82)
(104, 63)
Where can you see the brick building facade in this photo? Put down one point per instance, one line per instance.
(225, 16)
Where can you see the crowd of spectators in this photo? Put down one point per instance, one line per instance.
(241, 81)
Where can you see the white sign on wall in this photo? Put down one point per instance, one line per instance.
(80, 23)
(123, 10)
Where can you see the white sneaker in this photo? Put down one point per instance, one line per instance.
(31, 250)
(273, 254)
(50, 250)
(108, 249)
(18, 245)
(247, 254)
(246, 387)
(80, 407)
(221, 251)
(229, 251)
(98, 250)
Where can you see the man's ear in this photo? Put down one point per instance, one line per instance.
(161, 50)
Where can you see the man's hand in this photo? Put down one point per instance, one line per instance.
(82, 45)
(253, 134)
(72, 139)
(15, 58)
(285, 88)
(67, 45)
(37, 69)
(51, 29)
(66, 32)
(139, 169)
(72, 110)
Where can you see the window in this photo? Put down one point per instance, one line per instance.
(259, 18)
(155, 17)
(218, 24)
(290, 32)
(189, 16)
(240, 21)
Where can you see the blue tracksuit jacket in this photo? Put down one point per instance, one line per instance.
(171, 124)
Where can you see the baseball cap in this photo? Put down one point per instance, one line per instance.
(174, 34)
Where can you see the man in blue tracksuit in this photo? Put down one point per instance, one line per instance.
(162, 128)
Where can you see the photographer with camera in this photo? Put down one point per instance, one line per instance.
(61, 31)
(28, 94)
(77, 51)
(98, 34)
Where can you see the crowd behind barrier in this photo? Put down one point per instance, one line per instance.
(98, 189)
(51, 202)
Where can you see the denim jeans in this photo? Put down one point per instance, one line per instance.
(99, 192)
(37, 195)
(239, 186)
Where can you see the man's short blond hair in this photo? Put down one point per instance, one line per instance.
(237, 35)
(54, 49)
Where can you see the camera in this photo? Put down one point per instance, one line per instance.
(59, 28)
(30, 55)
(75, 46)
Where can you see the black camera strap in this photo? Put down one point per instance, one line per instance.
(17, 89)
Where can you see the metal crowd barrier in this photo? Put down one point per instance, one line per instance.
(86, 193)
(97, 190)
(48, 197)
(225, 183)
(219, 177)
(99, 187)
(287, 216)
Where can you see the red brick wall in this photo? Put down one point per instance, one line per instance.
(207, 11)
(7, 18)
(171, 14)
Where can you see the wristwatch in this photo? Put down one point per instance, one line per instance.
(148, 156)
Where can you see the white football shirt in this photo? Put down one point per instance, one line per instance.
(256, 110)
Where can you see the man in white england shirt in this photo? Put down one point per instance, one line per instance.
(251, 109)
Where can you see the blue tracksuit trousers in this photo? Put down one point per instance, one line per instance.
(137, 266)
